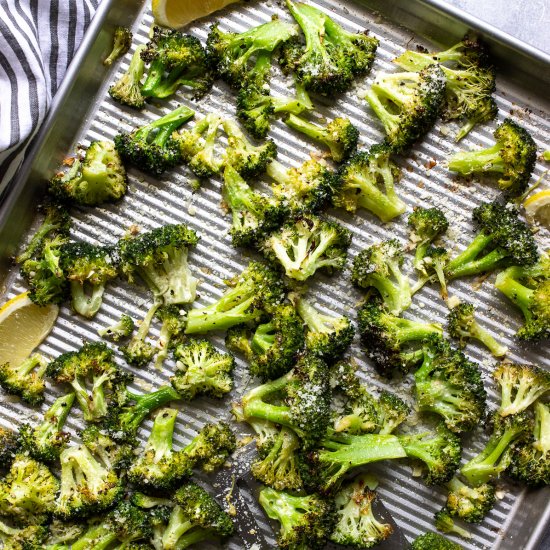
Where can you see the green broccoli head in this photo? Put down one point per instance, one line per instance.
(127, 89)
(25, 380)
(434, 541)
(255, 108)
(426, 224)
(123, 328)
(9, 445)
(470, 504)
(122, 40)
(16, 538)
(113, 455)
(308, 243)
(96, 178)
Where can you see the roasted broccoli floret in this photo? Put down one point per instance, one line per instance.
(470, 504)
(122, 329)
(45, 441)
(247, 159)
(254, 214)
(470, 81)
(127, 89)
(257, 289)
(9, 445)
(233, 55)
(122, 40)
(176, 59)
(393, 342)
(94, 377)
(528, 288)
(434, 541)
(426, 224)
(296, 104)
(139, 351)
(197, 146)
(356, 524)
(151, 147)
(202, 370)
(531, 458)
(502, 239)
(444, 522)
(159, 467)
(513, 157)
(367, 181)
(407, 104)
(28, 491)
(331, 57)
(497, 454)
(434, 264)
(303, 400)
(96, 178)
(520, 386)
(113, 455)
(340, 136)
(307, 188)
(266, 432)
(88, 268)
(327, 336)
(306, 521)
(16, 538)
(25, 380)
(379, 266)
(449, 385)
(278, 465)
(171, 331)
(308, 243)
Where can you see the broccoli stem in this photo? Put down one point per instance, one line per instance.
(98, 538)
(477, 332)
(178, 525)
(314, 320)
(238, 194)
(54, 419)
(487, 160)
(298, 104)
(282, 507)
(86, 298)
(357, 450)
(162, 128)
(517, 293)
(37, 239)
(278, 172)
(29, 365)
(263, 338)
(308, 128)
(389, 121)
(160, 439)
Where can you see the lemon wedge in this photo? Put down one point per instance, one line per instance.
(178, 13)
(23, 325)
(537, 206)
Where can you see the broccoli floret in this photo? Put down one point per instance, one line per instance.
(195, 518)
(367, 181)
(528, 288)
(88, 268)
(308, 243)
(356, 524)
(254, 214)
(127, 89)
(28, 491)
(331, 57)
(114, 455)
(407, 104)
(24, 538)
(122, 329)
(497, 454)
(297, 104)
(176, 59)
(379, 266)
(449, 385)
(158, 466)
(427, 224)
(445, 523)
(340, 136)
(202, 370)
(25, 380)
(257, 289)
(434, 541)
(520, 385)
(197, 146)
(502, 239)
(122, 40)
(233, 55)
(46, 441)
(303, 403)
(531, 459)
(306, 521)
(151, 147)
(247, 159)
(267, 433)
(124, 421)
(307, 188)
(470, 504)
(96, 178)
(327, 336)
(138, 351)
(171, 331)
(9, 445)
(94, 377)
(512, 157)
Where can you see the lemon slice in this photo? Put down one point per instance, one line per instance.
(23, 325)
(538, 206)
(178, 13)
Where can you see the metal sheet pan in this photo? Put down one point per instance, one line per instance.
(83, 112)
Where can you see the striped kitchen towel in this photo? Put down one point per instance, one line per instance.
(38, 39)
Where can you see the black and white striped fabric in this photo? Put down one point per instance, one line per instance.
(38, 39)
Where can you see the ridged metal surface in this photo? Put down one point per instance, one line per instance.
(151, 203)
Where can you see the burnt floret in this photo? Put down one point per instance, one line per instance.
(151, 147)
(306, 244)
(121, 329)
(122, 40)
(97, 177)
(512, 157)
(127, 89)
(202, 370)
(25, 380)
